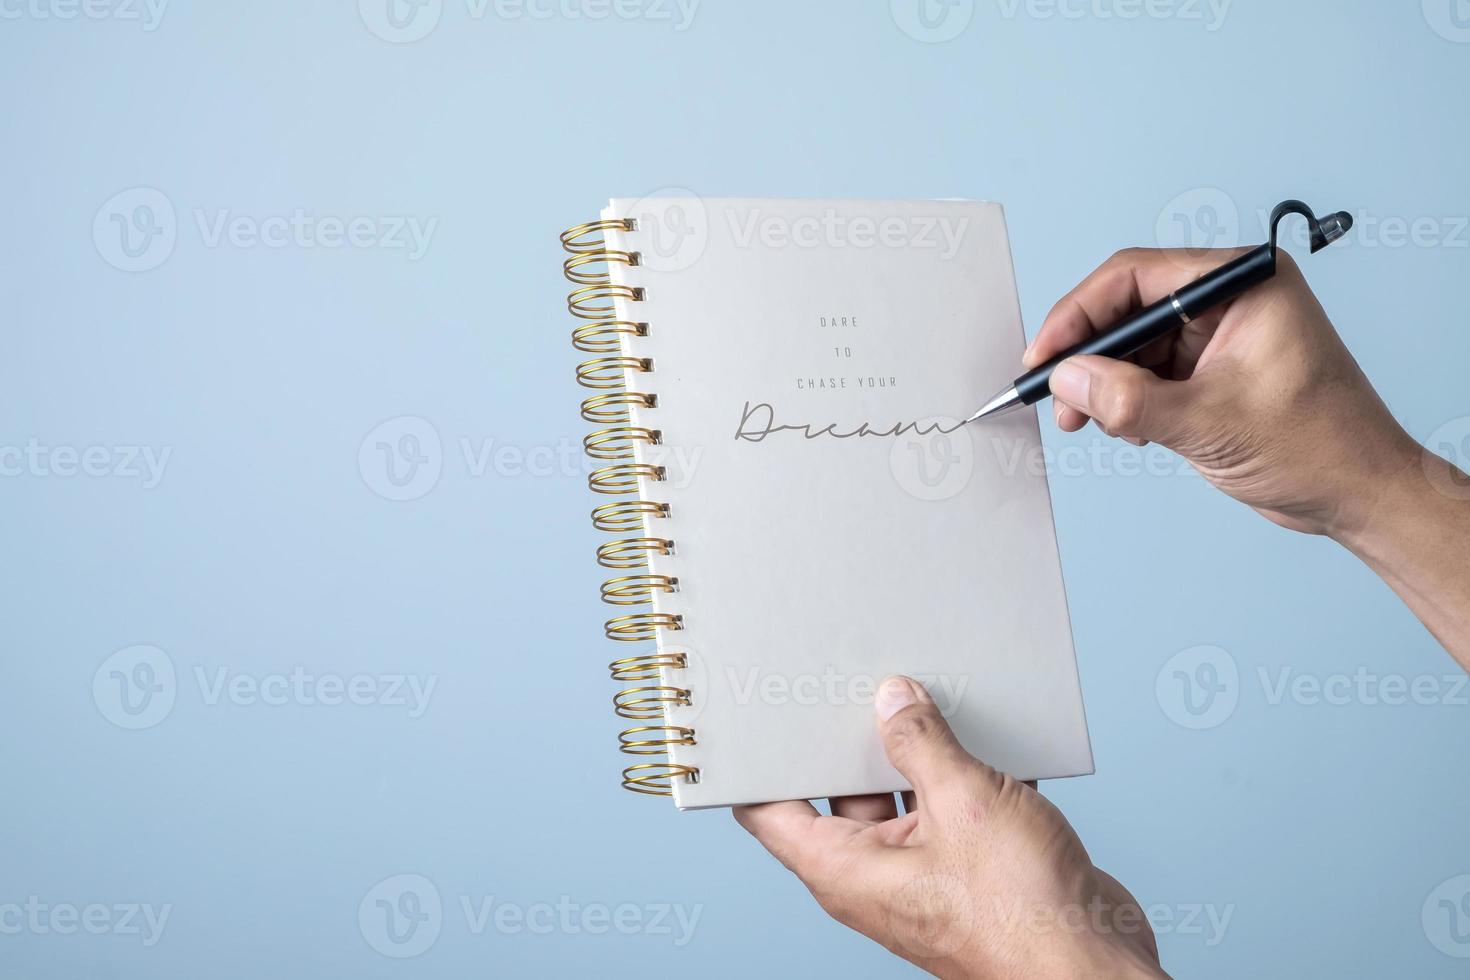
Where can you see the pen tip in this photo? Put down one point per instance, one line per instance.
(1006, 401)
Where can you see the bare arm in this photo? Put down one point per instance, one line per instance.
(1417, 538)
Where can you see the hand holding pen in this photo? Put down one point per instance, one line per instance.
(1143, 325)
(1259, 393)
(1263, 398)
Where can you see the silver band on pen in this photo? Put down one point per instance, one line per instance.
(1183, 317)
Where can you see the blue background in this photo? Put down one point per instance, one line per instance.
(266, 546)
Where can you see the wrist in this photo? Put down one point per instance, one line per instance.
(1414, 539)
(1093, 956)
(1415, 494)
(1383, 483)
(1106, 960)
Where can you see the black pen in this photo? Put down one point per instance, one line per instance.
(1175, 310)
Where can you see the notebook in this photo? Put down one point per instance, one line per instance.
(788, 507)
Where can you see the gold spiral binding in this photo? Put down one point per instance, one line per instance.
(604, 336)
(570, 237)
(654, 739)
(635, 590)
(595, 299)
(623, 477)
(646, 666)
(641, 626)
(615, 407)
(638, 703)
(575, 268)
(627, 515)
(632, 552)
(657, 778)
(607, 372)
(598, 302)
(618, 441)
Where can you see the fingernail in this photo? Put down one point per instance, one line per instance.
(895, 694)
(1056, 410)
(1070, 383)
(1026, 354)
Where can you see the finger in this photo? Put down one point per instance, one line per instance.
(1097, 302)
(1068, 418)
(1131, 279)
(794, 832)
(1160, 357)
(871, 808)
(1125, 399)
(1189, 346)
(1157, 355)
(778, 821)
(894, 833)
(918, 740)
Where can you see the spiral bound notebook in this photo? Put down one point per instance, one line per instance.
(792, 509)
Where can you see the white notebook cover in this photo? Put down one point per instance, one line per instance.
(810, 566)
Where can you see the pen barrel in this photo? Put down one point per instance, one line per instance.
(1161, 318)
(1137, 331)
(1226, 282)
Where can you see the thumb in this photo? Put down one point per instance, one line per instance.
(918, 740)
(1125, 399)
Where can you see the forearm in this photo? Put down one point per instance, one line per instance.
(1417, 538)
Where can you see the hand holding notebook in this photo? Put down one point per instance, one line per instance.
(984, 879)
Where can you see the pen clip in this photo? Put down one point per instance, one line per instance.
(1323, 232)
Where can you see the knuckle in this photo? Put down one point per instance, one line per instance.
(988, 788)
(1124, 407)
(1010, 793)
(913, 731)
(782, 851)
(1057, 311)
(837, 903)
